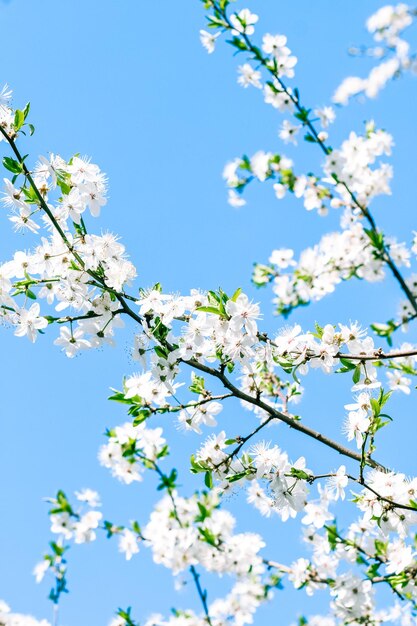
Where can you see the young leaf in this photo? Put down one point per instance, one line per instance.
(12, 165)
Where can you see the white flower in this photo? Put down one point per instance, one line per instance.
(84, 528)
(280, 190)
(243, 22)
(89, 496)
(398, 382)
(355, 426)
(128, 543)
(28, 322)
(243, 313)
(300, 572)
(350, 86)
(208, 40)
(235, 199)
(230, 172)
(40, 570)
(62, 524)
(326, 115)
(193, 417)
(275, 45)
(399, 556)
(5, 95)
(362, 404)
(317, 514)
(282, 258)
(338, 483)
(260, 164)
(288, 132)
(258, 497)
(71, 341)
(249, 76)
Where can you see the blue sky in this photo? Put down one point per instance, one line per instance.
(129, 84)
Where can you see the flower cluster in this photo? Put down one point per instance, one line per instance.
(200, 532)
(350, 166)
(349, 181)
(337, 257)
(130, 449)
(268, 166)
(78, 525)
(353, 597)
(287, 493)
(386, 26)
(68, 268)
(197, 531)
(379, 513)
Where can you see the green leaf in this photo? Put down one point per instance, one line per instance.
(347, 364)
(26, 110)
(140, 415)
(62, 502)
(376, 239)
(356, 374)
(161, 352)
(384, 397)
(237, 43)
(19, 119)
(197, 385)
(373, 570)
(12, 165)
(301, 474)
(209, 309)
(163, 452)
(30, 195)
(57, 548)
(302, 114)
(236, 294)
(375, 407)
(213, 297)
(197, 466)
(168, 482)
(208, 536)
(385, 330)
(319, 330)
(380, 547)
(294, 375)
(332, 536)
(118, 396)
(208, 480)
(387, 416)
(236, 477)
(310, 138)
(204, 513)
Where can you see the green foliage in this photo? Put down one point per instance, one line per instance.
(12, 165)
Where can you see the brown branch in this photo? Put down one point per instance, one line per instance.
(282, 417)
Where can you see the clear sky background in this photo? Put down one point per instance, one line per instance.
(129, 84)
